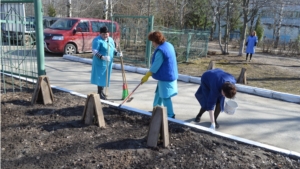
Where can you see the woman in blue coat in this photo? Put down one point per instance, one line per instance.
(215, 86)
(164, 69)
(103, 48)
(251, 44)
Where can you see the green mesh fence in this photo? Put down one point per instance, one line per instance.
(189, 44)
(18, 51)
(134, 44)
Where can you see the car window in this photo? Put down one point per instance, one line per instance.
(109, 26)
(96, 25)
(63, 24)
(84, 25)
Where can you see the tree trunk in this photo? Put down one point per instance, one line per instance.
(243, 37)
(278, 27)
(69, 8)
(105, 10)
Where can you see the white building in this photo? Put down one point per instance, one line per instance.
(290, 23)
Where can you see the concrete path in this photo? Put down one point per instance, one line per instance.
(264, 120)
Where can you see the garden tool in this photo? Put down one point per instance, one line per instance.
(125, 88)
(107, 68)
(129, 95)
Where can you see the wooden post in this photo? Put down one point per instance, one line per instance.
(42, 92)
(242, 79)
(158, 124)
(93, 110)
(211, 65)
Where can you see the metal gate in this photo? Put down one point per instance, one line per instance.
(22, 54)
(134, 41)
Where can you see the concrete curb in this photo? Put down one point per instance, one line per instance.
(190, 79)
(224, 135)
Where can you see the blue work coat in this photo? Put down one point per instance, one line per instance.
(252, 40)
(209, 92)
(99, 73)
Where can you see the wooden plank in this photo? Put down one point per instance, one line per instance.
(98, 110)
(89, 112)
(85, 106)
(51, 93)
(36, 90)
(153, 112)
(154, 130)
(165, 125)
(45, 92)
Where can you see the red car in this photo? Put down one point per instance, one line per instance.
(75, 35)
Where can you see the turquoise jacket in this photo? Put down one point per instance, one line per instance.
(99, 66)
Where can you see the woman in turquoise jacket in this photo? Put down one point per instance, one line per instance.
(164, 69)
(103, 48)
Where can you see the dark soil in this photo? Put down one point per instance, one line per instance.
(54, 136)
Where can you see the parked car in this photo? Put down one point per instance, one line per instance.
(75, 35)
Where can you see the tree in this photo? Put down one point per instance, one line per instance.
(51, 11)
(198, 15)
(259, 29)
(250, 11)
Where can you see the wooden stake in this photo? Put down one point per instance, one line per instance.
(158, 124)
(211, 65)
(242, 79)
(93, 110)
(42, 92)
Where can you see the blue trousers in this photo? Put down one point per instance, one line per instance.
(167, 102)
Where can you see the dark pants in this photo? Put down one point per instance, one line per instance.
(247, 56)
(216, 113)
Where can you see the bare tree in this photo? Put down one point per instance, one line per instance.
(250, 10)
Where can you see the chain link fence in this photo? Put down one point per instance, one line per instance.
(18, 51)
(189, 44)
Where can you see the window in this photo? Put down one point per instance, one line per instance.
(96, 25)
(84, 25)
(63, 24)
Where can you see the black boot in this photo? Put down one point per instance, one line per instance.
(199, 115)
(101, 94)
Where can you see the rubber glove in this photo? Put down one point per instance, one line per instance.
(120, 54)
(106, 58)
(146, 77)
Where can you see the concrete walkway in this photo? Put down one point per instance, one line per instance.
(264, 120)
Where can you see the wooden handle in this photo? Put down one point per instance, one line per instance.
(129, 95)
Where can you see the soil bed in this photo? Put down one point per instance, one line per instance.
(54, 136)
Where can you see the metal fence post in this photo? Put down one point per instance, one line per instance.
(148, 43)
(39, 37)
(188, 46)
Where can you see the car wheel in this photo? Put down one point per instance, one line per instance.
(27, 40)
(70, 49)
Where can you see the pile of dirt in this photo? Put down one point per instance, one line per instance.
(54, 136)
